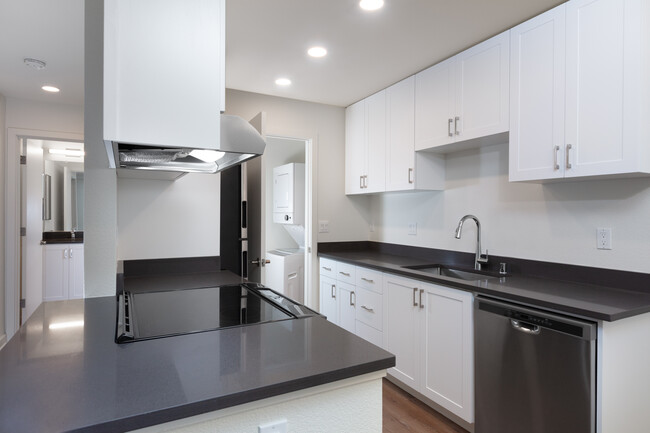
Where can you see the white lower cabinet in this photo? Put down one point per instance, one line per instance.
(328, 299)
(63, 272)
(429, 329)
(347, 309)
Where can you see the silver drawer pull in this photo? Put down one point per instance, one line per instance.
(556, 149)
(456, 119)
(421, 292)
(410, 177)
(355, 299)
(370, 310)
(449, 127)
(327, 269)
(524, 327)
(568, 155)
(367, 280)
(333, 291)
(344, 273)
(292, 275)
(415, 291)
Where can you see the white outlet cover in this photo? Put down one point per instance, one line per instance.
(323, 226)
(279, 426)
(413, 229)
(604, 238)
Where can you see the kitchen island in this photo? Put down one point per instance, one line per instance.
(63, 372)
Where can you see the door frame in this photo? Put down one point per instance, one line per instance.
(12, 216)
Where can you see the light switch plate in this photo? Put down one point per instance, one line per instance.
(279, 426)
(413, 229)
(323, 226)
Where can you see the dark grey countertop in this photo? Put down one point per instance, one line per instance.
(585, 300)
(76, 378)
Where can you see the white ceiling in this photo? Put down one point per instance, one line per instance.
(266, 39)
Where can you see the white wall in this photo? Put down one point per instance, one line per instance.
(43, 116)
(551, 222)
(3, 150)
(160, 219)
(325, 124)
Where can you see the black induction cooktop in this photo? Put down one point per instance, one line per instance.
(156, 314)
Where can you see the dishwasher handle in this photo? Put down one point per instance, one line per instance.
(526, 328)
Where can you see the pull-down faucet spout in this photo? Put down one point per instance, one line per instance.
(479, 258)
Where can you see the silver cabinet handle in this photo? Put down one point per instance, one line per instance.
(292, 275)
(556, 149)
(410, 175)
(524, 327)
(568, 160)
(65, 253)
(333, 291)
(370, 310)
(70, 252)
(327, 269)
(351, 302)
(415, 290)
(449, 127)
(456, 119)
(344, 273)
(367, 280)
(421, 292)
(365, 181)
(361, 182)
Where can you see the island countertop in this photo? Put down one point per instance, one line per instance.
(63, 371)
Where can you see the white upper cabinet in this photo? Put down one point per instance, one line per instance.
(365, 145)
(586, 115)
(164, 71)
(465, 98)
(400, 161)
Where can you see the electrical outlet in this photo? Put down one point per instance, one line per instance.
(372, 227)
(413, 229)
(604, 238)
(273, 427)
(323, 226)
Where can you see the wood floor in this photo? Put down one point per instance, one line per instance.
(405, 413)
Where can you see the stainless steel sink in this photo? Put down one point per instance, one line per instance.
(446, 271)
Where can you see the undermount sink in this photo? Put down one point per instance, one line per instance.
(446, 271)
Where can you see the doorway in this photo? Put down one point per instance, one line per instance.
(44, 193)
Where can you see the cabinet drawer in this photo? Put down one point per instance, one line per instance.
(370, 279)
(369, 308)
(345, 272)
(369, 334)
(327, 268)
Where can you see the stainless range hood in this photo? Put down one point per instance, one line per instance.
(239, 142)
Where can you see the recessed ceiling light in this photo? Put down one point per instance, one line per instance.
(317, 51)
(50, 89)
(371, 5)
(283, 82)
(67, 152)
(34, 63)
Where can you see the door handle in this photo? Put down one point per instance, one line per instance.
(456, 119)
(524, 327)
(410, 175)
(370, 310)
(556, 149)
(260, 262)
(365, 181)
(65, 253)
(70, 252)
(352, 303)
(361, 182)
(333, 291)
(568, 155)
(449, 127)
(421, 292)
(415, 290)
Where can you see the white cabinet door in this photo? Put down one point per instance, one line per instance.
(400, 162)
(402, 328)
(346, 307)
(482, 89)
(375, 143)
(602, 93)
(537, 71)
(447, 342)
(328, 299)
(355, 151)
(76, 280)
(56, 272)
(434, 105)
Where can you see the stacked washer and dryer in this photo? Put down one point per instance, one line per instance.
(285, 273)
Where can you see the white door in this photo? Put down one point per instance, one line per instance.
(328, 299)
(434, 106)
(375, 143)
(355, 154)
(33, 262)
(537, 71)
(447, 342)
(346, 306)
(482, 89)
(400, 148)
(599, 88)
(402, 328)
(252, 172)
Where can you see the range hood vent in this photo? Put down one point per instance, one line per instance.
(238, 143)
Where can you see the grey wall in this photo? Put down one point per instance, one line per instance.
(100, 231)
(3, 151)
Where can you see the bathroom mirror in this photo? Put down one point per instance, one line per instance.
(63, 188)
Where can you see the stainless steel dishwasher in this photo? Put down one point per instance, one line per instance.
(535, 371)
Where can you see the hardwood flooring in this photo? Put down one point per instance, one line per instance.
(404, 413)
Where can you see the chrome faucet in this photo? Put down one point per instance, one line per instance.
(480, 258)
